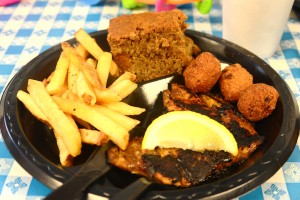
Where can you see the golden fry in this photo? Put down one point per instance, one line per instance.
(106, 96)
(70, 95)
(114, 70)
(88, 71)
(92, 62)
(64, 88)
(124, 87)
(125, 76)
(103, 67)
(93, 48)
(93, 137)
(84, 90)
(65, 158)
(115, 132)
(82, 51)
(72, 77)
(124, 108)
(89, 43)
(28, 102)
(48, 79)
(64, 155)
(124, 121)
(59, 75)
(56, 118)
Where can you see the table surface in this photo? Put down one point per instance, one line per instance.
(32, 26)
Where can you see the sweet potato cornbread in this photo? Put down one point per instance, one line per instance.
(151, 44)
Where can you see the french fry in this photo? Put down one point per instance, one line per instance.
(92, 62)
(59, 76)
(70, 95)
(84, 90)
(28, 102)
(124, 88)
(65, 158)
(72, 121)
(124, 108)
(125, 76)
(124, 121)
(89, 43)
(56, 118)
(88, 71)
(82, 51)
(93, 137)
(106, 96)
(93, 48)
(114, 70)
(72, 77)
(48, 79)
(64, 155)
(103, 67)
(63, 89)
(114, 131)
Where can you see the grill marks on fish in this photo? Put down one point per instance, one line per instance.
(184, 168)
(168, 166)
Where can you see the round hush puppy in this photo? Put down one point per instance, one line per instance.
(258, 101)
(202, 73)
(233, 81)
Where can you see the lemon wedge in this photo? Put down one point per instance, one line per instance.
(189, 130)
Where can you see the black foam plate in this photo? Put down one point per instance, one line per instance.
(33, 145)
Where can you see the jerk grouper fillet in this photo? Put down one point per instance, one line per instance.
(184, 168)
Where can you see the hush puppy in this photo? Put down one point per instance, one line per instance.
(258, 101)
(202, 73)
(233, 81)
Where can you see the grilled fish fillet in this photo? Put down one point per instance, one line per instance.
(185, 168)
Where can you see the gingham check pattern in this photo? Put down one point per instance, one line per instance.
(32, 26)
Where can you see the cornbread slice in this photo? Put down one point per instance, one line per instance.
(151, 44)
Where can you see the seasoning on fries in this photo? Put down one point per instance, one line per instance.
(77, 103)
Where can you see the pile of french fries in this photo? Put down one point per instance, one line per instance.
(76, 102)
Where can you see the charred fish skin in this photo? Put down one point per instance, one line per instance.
(185, 168)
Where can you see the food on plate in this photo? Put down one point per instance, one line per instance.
(202, 73)
(124, 108)
(94, 137)
(56, 82)
(185, 168)
(233, 81)
(203, 133)
(64, 127)
(77, 102)
(151, 44)
(31, 105)
(258, 101)
(90, 45)
(89, 72)
(82, 105)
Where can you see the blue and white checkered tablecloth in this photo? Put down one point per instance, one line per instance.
(32, 26)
